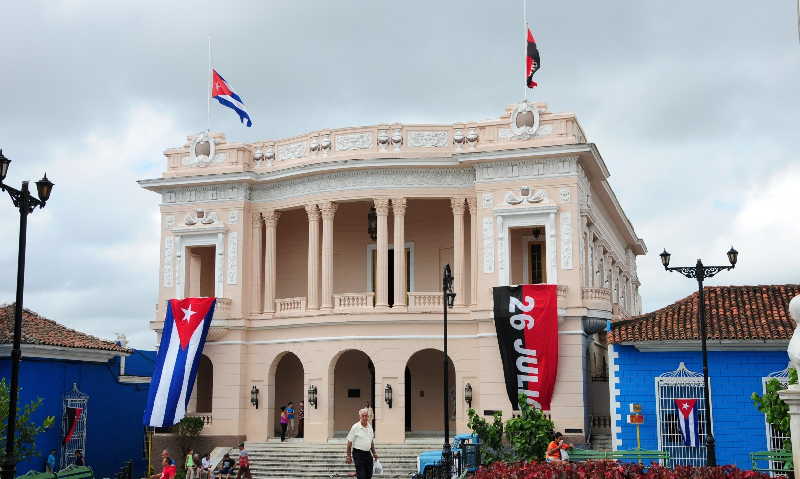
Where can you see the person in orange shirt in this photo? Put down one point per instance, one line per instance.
(556, 450)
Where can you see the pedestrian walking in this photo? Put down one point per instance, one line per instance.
(301, 416)
(361, 446)
(292, 420)
(244, 463)
(284, 421)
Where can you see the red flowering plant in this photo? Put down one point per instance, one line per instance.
(609, 470)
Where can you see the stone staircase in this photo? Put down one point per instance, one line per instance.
(294, 460)
(601, 442)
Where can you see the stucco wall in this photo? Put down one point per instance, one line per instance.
(738, 426)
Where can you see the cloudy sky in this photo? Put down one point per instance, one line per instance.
(695, 107)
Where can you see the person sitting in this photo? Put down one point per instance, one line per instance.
(557, 449)
(205, 467)
(226, 466)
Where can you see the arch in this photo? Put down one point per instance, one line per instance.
(204, 386)
(352, 384)
(287, 378)
(423, 393)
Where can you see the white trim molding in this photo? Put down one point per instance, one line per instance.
(357, 338)
(507, 218)
(712, 344)
(63, 353)
(134, 379)
(614, 392)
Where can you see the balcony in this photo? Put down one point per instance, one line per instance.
(353, 302)
(597, 298)
(221, 311)
(422, 302)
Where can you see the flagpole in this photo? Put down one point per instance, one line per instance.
(208, 92)
(525, 43)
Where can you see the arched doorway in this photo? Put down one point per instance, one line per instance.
(353, 387)
(201, 401)
(424, 406)
(288, 382)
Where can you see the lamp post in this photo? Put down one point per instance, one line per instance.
(448, 296)
(25, 203)
(700, 272)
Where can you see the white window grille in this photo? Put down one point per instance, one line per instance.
(73, 398)
(775, 438)
(680, 384)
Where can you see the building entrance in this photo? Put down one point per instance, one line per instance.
(288, 388)
(424, 406)
(353, 389)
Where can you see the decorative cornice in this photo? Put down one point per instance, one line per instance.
(374, 178)
(713, 345)
(526, 168)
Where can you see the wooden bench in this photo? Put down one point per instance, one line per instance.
(37, 475)
(777, 461)
(626, 455)
(75, 472)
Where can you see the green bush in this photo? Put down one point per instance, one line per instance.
(26, 429)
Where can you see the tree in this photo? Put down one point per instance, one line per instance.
(187, 430)
(529, 433)
(26, 428)
(491, 436)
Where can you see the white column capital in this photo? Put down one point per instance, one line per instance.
(313, 212)
(458, 206)
(399, 206)
(271, 217)
(256, 220)
(381, 206)
(328, 209)
(472, 203)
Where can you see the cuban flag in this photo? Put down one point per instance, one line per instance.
(185, 330)
(687, 418)
(222, 91)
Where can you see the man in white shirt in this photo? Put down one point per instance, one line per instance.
(361, 446)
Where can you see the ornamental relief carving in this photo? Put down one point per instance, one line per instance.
(169, 248)
(488, 244)
(365, 179)
(427, 139)
(291, 151)
(233, 250)
(353, 141)
(526, 168)
(566, 240)
(205, 193)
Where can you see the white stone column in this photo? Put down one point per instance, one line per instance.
(382, 254)
(457, 204)
(312, 300)
(472, 202)
(257, 292)
(791, 396)
(328, 210)
(399, 212)
(270, 259)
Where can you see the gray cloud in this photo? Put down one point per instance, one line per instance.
(694, 106)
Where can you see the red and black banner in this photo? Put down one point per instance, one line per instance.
(526, 320)
(532, 62)
(73, 416)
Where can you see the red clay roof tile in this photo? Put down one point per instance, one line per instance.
(732, 313)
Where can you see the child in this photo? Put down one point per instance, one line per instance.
(226, 467)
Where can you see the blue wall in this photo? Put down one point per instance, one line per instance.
(738, 426)
(114, 411)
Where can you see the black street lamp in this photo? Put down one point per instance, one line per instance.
(701, 272)
(25, 203)
(448, 296)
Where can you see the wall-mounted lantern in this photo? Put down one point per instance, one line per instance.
(468, 394)
(387, 395)
(254, 396)
(372, 223)
(312, 396)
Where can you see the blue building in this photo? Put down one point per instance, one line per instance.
(67, 368)
(655, 359)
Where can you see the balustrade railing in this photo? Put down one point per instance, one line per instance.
(290, 305)
(419, 302)
(597, 294)
(562, 292)
(353, 301)
(205, 416)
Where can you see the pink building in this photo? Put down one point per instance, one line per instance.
(326, 251)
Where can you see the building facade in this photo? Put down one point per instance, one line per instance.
(656, 358)
(326, 252)
(67, 368)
